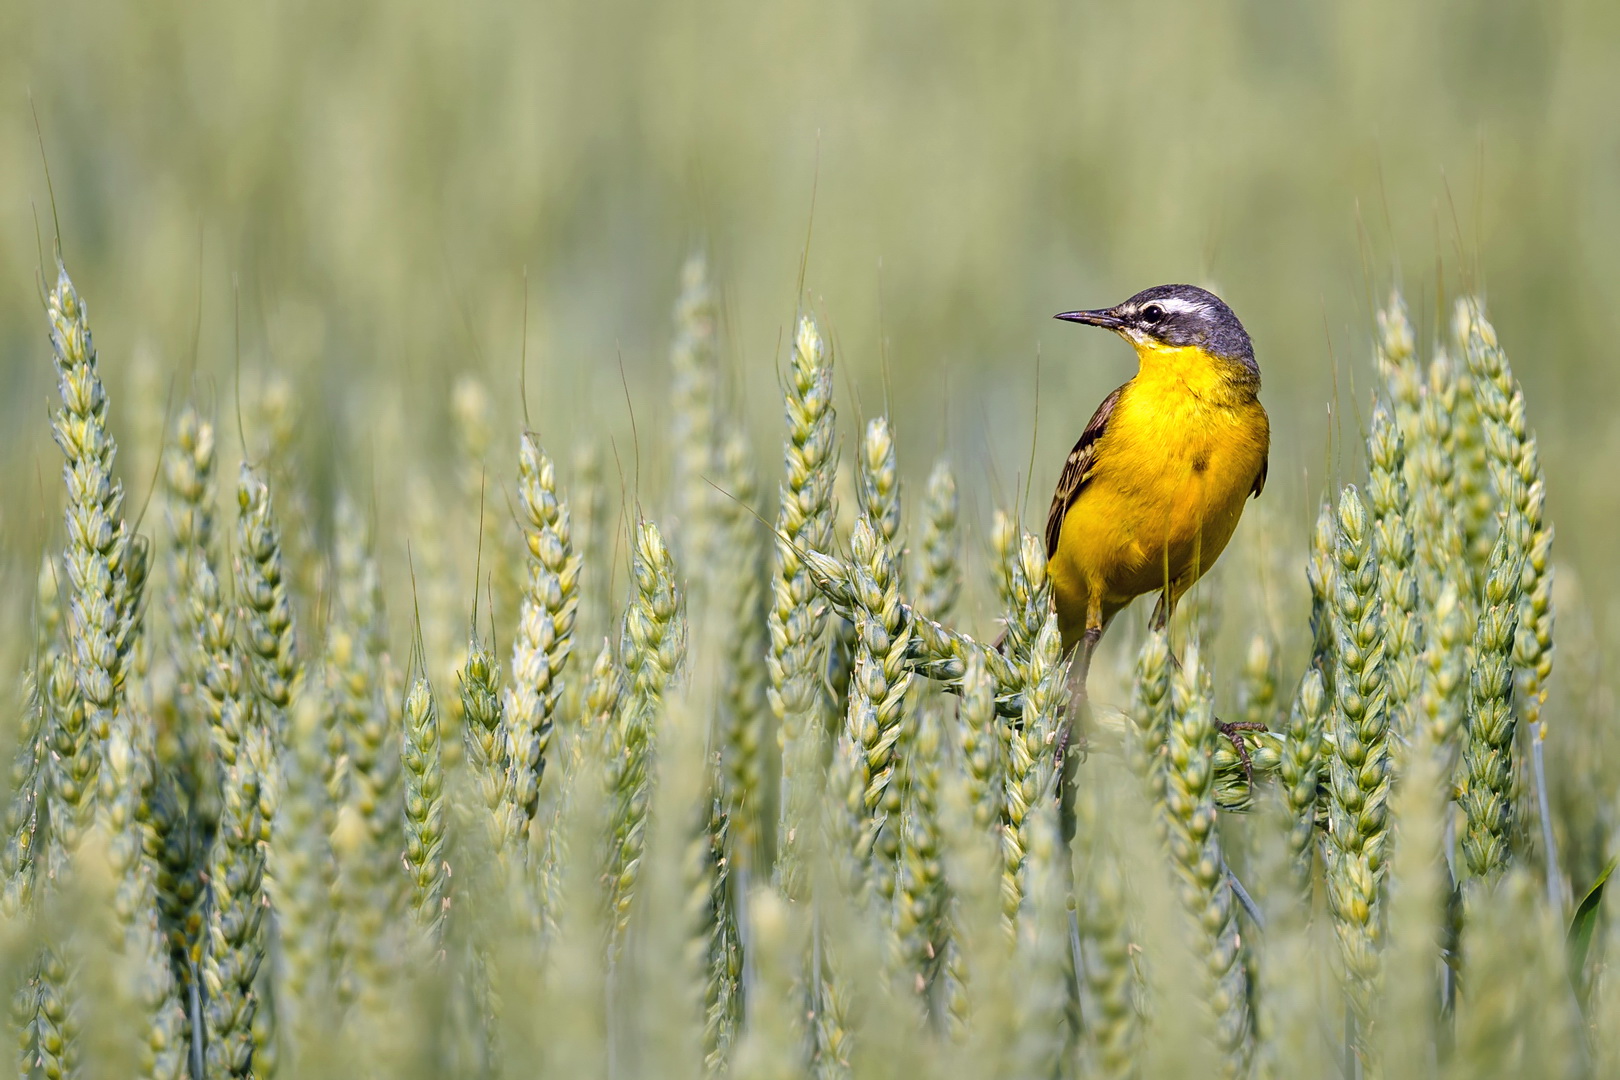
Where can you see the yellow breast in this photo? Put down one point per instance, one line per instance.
(1178, 459)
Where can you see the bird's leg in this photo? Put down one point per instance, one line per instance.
(1079, 668)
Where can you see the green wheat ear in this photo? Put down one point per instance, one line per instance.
(1031, 774)
(1042, 952)
(183, 798)
(877, 697)
(267, 630)
(653, 645)
(98, 607)
(1302, 770)
(980, 742)
(1359, 769)
(695, 432)
(1520, 491)
(922, 897)
(423, 767)
(1109, 982)
(745, 718)
(25, 828)
(939, 570)
(1195, 853)
(1395, 353)
(1487, 763)
(545, 634)
(298, 869)
(797, 612)
(366, 802)
(1409, 1015)
(487, 747)
(234, 943)
(268, 647)
(101, 736)
(1150, 715)
(1397, 580)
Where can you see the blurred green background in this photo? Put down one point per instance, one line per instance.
(354, 193)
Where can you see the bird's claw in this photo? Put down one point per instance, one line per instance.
(1234, 732)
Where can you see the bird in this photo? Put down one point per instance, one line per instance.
(1154, 488)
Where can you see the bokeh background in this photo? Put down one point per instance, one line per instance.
(360, 195)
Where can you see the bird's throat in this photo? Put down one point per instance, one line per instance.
(1211, 378)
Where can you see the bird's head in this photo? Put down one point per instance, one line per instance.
(1174, 318)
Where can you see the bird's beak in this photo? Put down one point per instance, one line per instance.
(1104, 317)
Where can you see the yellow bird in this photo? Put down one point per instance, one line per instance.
(1154, 488)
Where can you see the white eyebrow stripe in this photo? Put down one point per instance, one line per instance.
(1178, 305)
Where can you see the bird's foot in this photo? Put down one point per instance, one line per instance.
(1234, 732)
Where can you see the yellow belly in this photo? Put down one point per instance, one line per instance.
(1172, 475)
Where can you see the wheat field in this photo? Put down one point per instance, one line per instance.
(770, 812)
(512, 585)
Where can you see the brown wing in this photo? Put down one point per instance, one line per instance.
(1077, 470)
(1260, 481)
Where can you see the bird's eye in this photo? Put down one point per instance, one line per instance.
(1151, 314)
